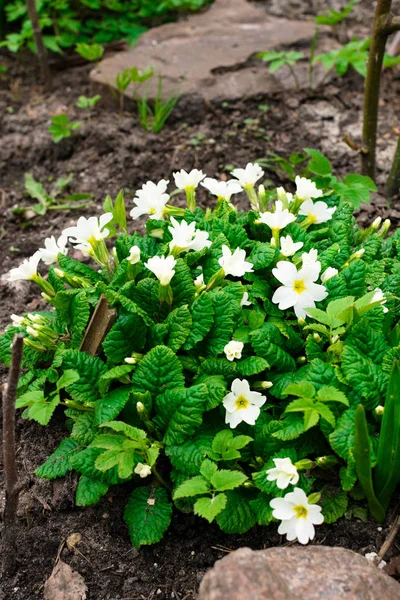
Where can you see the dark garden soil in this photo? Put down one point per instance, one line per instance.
(107, 153)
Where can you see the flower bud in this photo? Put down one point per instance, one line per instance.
(314, 498)
(326, 462)
(334, 339)
(32, 331)
(385, 228)
(59, 273)
(317, 337)
(379, 410)
(140, 407)
(301, 321)
(304, 464)
(376, 223)
(130, 360)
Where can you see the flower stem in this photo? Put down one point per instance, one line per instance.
(161, 479)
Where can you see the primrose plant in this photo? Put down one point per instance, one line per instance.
(230, 363)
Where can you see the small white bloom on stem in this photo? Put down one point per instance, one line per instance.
(222, 189)
(52, 248)
(234, 263)
(233, 350)
(142, 470)
(316, 212)
(289, 247)
(277, 220)
(298, 516)
(89, 230)
(162, 267)
(379, 296)
(376, 223)
(245, 300)
(249, 176)
(298, 289)
(328, 274)
(134, 255)
(199, 281)
(185, 236)
(27, 270)
(241, 404)
(17, 320)
(151, 200)
(306, 189)
(188, 181)
(285, 197)
(130, 360)
(284, 473)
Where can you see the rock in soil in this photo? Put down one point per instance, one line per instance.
(284, 573)
(207, 55)
(64, 584)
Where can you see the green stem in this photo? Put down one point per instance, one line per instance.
(75, 406)
(393, 182)
(380, 32)
(161, 479)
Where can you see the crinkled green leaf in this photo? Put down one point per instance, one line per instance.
(148, 515)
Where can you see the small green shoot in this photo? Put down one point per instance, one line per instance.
(335, 17)
(61, 127)
(87, 103)
(154, 118)
(277, 60)
(90, 52)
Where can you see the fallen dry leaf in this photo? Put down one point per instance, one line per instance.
(65, 584)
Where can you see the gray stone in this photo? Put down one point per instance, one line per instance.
(301, 573)
(207, 55)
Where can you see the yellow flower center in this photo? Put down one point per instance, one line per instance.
(301, 511)
(299, 286)
(311, 218)
(241, 402)
(152, 211)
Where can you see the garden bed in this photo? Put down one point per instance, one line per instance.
(107, 153)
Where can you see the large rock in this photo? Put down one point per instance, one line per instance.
(288, 573)
(207, 54)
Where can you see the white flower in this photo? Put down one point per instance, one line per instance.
(134, 255)
(306, 189)
(241, 404)
(284, 196)
(162, 267)
(188, 181)
(17, 320)
(297, 515)
(317, 212)
(279, 219)
(289, 247)
(52, 248)
(249, 176)
(199, 281)
(130, 360)
(234, 263)
(233, 350)
(298, 289)
(328, 274)
(185, 236)
(284, 473)
(151, 200)
(245, 300)
(88, 231)
(143, 470)
(222, 189)
(27, 269)
(379, 297)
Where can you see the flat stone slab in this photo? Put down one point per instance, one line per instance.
(206, 54)
(297, 573)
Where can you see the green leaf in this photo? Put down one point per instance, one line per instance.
(227, 480)
(342, 439)
(237, 516)
(90, 369)
(80, 313)
(365, 377)
(251, 366)
(222, 328)
(89, 491)
(329, 393)
(290, 428)
(188, 416)
(208, 469)
(84, 462)
(302, 388)
(127, 335)
(318, 164)
(179, 323)
(67, 378)
(262, 509)
(83, 430)
(188, 456)
(119, 372)
(159, 369)
(334, 505)
(192, 487)
(59, 463)
(262, 255)
(209, 508)
(202, 319)
(148, 515)
(109, 407)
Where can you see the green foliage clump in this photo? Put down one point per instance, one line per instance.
(237, 339)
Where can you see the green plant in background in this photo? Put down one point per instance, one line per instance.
(277, 60)
(133, 76)
(153, 118)
(242, 344)
(67, 23)
(61, 127)
(90, 52)
(52, 200)
(87, 103)
(335, 17)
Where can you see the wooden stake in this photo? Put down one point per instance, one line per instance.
(40, 47)
(12, 484)
(100, 324)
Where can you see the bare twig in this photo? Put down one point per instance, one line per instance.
(388, 543)
(99, 325)
(40, 48)
(12, 484)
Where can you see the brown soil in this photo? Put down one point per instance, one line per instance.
(107, 153)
